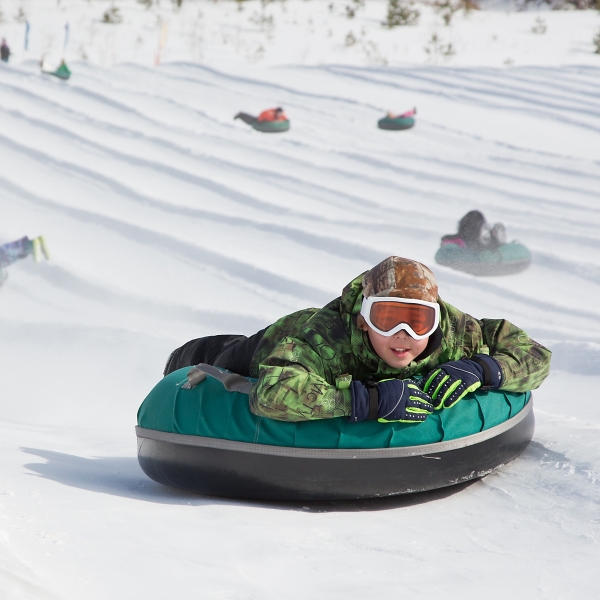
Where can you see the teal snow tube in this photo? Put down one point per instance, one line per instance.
(62, 72)
(507, 259)
(271, 126)
(196, 431)
(396, 124)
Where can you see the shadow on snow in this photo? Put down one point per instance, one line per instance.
(122, 476)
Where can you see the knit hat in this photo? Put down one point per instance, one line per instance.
(401, 278)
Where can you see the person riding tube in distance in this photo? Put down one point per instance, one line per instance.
(271, 115)
(22, 248)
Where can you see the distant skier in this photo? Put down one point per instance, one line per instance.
(22, 248)
(267, 116)
(4, 51)
(474, 232)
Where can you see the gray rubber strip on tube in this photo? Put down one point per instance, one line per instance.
(231, 382)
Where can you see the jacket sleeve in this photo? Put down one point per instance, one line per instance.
(292, 386)
(524, 363)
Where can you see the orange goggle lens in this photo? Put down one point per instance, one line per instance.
(386, 315)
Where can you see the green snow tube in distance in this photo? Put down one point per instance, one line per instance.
(396, 124)
(203, 437)
(62, 72)
(507, 259)
(271, 126)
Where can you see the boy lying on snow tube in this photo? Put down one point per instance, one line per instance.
(357, 356)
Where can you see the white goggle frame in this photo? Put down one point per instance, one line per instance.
(365, 311)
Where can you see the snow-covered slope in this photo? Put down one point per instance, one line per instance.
(167, 220)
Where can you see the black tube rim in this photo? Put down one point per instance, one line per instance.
(335, 453)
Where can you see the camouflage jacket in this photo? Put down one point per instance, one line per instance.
(301, 358)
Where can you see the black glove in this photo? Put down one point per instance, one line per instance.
(454, 380)
(390, 400)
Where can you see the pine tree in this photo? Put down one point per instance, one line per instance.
(400, 12)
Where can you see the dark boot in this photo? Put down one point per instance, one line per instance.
(246, 118)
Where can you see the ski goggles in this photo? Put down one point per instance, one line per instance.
(387, 316)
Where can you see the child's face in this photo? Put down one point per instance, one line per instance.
(397, 350)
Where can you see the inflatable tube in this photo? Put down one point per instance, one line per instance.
(62, 76)
(396, 124)
(271, 126)
(204, 438)
(505, 260)
(218, 467)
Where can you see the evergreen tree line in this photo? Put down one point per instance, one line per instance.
(403, 12)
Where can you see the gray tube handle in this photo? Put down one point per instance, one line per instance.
(231, 382)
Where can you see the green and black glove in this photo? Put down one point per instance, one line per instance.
(390, 400)
(454, 380)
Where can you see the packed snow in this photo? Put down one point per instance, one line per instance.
(168, 220)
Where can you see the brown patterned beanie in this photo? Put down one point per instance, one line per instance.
(401, 278)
